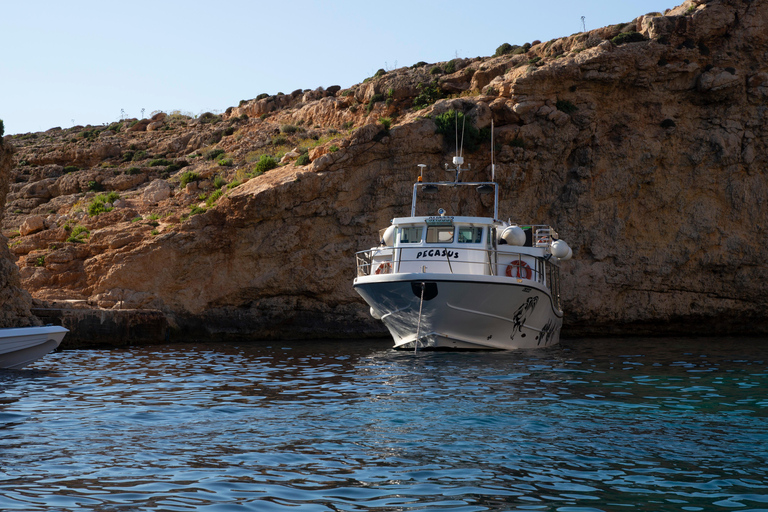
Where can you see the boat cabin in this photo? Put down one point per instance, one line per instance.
(461, 245)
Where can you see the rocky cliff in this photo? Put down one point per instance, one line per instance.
(14, 300)
(643, 143)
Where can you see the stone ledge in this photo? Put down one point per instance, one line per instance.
(91, 328)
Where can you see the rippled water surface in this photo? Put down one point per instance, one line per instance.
(638, 424)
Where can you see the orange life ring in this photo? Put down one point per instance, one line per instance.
(384, 268)
(523, 270)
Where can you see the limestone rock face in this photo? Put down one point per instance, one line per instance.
(646, 150)
(32, 224)
(157, 191)
(14, 301)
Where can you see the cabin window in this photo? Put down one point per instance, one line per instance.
(439, 234)
(410, 235)
(470, 235)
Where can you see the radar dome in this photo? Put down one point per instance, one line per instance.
(513, 235)
(389, 236)
(560, 250)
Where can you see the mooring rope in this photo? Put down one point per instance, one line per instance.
(418, 327)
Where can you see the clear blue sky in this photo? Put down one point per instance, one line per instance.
(88, 60)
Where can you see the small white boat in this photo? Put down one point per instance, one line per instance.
(464, 283)
(24, 345)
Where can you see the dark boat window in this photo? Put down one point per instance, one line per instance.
(410, 235)
(440, 234)
(470, 235)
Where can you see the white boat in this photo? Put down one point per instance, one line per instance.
(464, 283)
(24, 345)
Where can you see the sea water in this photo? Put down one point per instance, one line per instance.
(588, 425)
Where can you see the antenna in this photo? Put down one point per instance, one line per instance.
(493, 164)
(463, 122)
(457, 132)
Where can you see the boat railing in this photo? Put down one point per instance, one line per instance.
(453, 260)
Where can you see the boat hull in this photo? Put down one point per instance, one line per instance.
(22, 346)
(481, 314)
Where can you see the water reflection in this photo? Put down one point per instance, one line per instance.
(587, 425)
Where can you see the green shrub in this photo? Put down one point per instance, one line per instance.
(386, 122)
(279, 140)
(219, 182)
(98, 205)
(262, 96)
(188, 177)
(303, 159)
(447, 124)
(213, 154)
(94, 186)
(288, 128)
(334, 148)
(40, 261)
(379, 73)
(140, 155)
(90, 135)
(71, 168)
(158, 162)
(133, 170)
(175, 166)
(194, 210)
(566, 106)
(627, 37)
(214, 197)
(229, 131)
(233, 184)
(112, 196)
(504, 49)
(79, 234)
(374, 99)
(450, 67)
(534, 60)
(428, 94)
(265, 163)
(209, 118)
(419, 64)
(347, 125)
(226, 162)
(435, 71)
(154, 232)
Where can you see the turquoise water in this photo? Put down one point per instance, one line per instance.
(588, 425)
